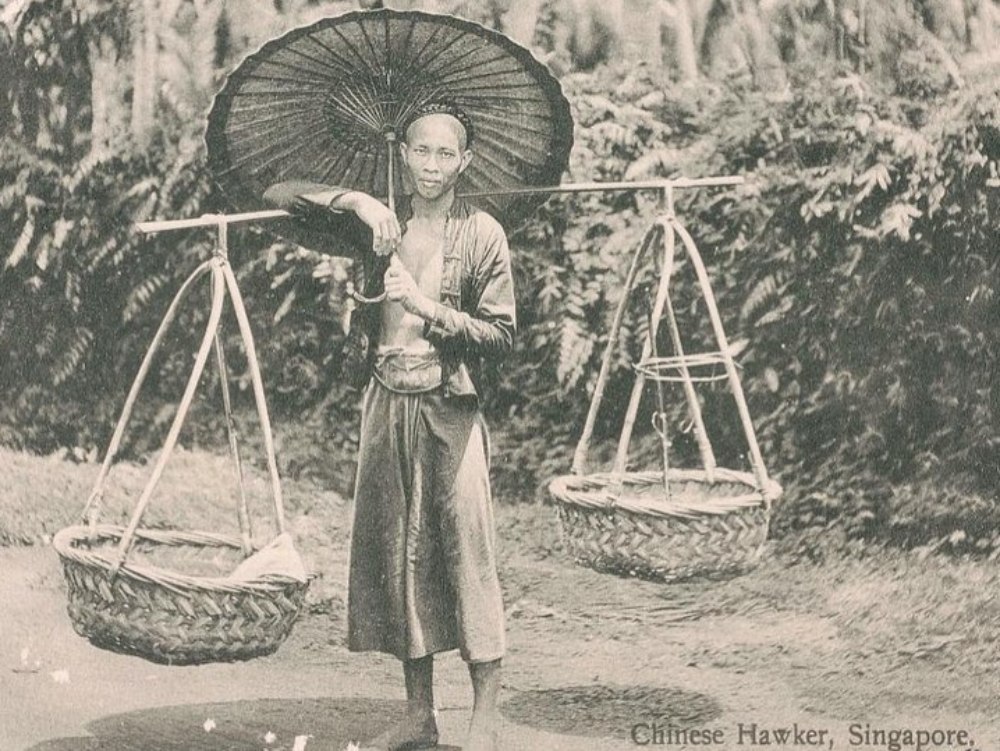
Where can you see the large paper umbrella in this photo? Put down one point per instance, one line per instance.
(328, 103)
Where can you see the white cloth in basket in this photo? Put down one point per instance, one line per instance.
(278, 558)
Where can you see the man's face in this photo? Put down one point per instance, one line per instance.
(435, 154)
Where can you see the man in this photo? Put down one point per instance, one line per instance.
(423, 575)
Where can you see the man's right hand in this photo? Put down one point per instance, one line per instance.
(379, 217)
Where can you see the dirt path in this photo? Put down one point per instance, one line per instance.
(590, 657)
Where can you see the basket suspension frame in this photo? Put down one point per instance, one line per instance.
(223, 283)
(663, 231)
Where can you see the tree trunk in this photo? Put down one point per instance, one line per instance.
(520, 20)
(203, 49)
(761, 50)
(680, 19)
(145, 46)
(109, 119)
(641, 32)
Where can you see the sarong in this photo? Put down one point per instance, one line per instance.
(423, 574)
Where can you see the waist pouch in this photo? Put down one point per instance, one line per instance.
(408, 372)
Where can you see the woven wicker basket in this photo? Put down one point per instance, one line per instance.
(139, 607)
(668, 524)
(706, 529)
(168, 617)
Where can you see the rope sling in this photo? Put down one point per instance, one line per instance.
(672, 523)
(142, 609)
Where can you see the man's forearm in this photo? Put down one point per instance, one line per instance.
(339, 200)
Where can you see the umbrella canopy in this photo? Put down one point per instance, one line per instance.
(328, 102)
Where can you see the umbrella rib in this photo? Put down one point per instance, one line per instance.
(505, 121)
(419, 67)
(478, 101)
(350, 46)
(362, 111)
(375, 99)
(295, 77)
(258, 153)
(285, 155)
(524, 149)
(400, 106)
(450, 64)
(486, 157)
(330, 170)
(366, 84)
(282, 79)
(262, 158)
(341, 66)
(357, 101)
(309, 118)
(491, 74)
(276, 93)
(347, 67)
(237, 127)
(406, 45)
(506, 92)
(350, 163)
(416, 58)
(418, 99)
(447, 45)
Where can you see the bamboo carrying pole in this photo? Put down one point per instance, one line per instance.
(211, 220)
(664, 227)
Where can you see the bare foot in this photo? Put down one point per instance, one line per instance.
(412, 732)
(484, 730)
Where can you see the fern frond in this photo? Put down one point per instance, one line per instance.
(140, 297)
(71, 291)
(20, 248)
(286, 305)
(762, 293)
(575, 348)
(72, 355)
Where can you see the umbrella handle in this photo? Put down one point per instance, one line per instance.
(390, 140)
(367, 300)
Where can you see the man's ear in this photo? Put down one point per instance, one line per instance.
(466, 158)
(404, 152)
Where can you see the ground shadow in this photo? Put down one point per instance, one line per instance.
(238, 726)
(609, 711)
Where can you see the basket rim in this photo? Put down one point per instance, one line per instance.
(597, 491)
(64, 540)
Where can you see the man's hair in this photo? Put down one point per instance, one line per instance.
(441, 108)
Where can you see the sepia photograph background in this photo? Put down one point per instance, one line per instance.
(856, 273)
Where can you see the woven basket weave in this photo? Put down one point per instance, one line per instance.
(169, 617)
(623, 525)
(673, 523)
(121, 595)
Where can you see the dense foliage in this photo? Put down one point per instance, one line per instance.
(856, 268)
(858, 264)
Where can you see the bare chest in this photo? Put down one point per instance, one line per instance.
(422, 253)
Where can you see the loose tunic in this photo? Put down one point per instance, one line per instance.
(423, 551)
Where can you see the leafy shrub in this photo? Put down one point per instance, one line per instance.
(857, 266)
(856, 263)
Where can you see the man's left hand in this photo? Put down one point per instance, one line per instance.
(401, 287)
